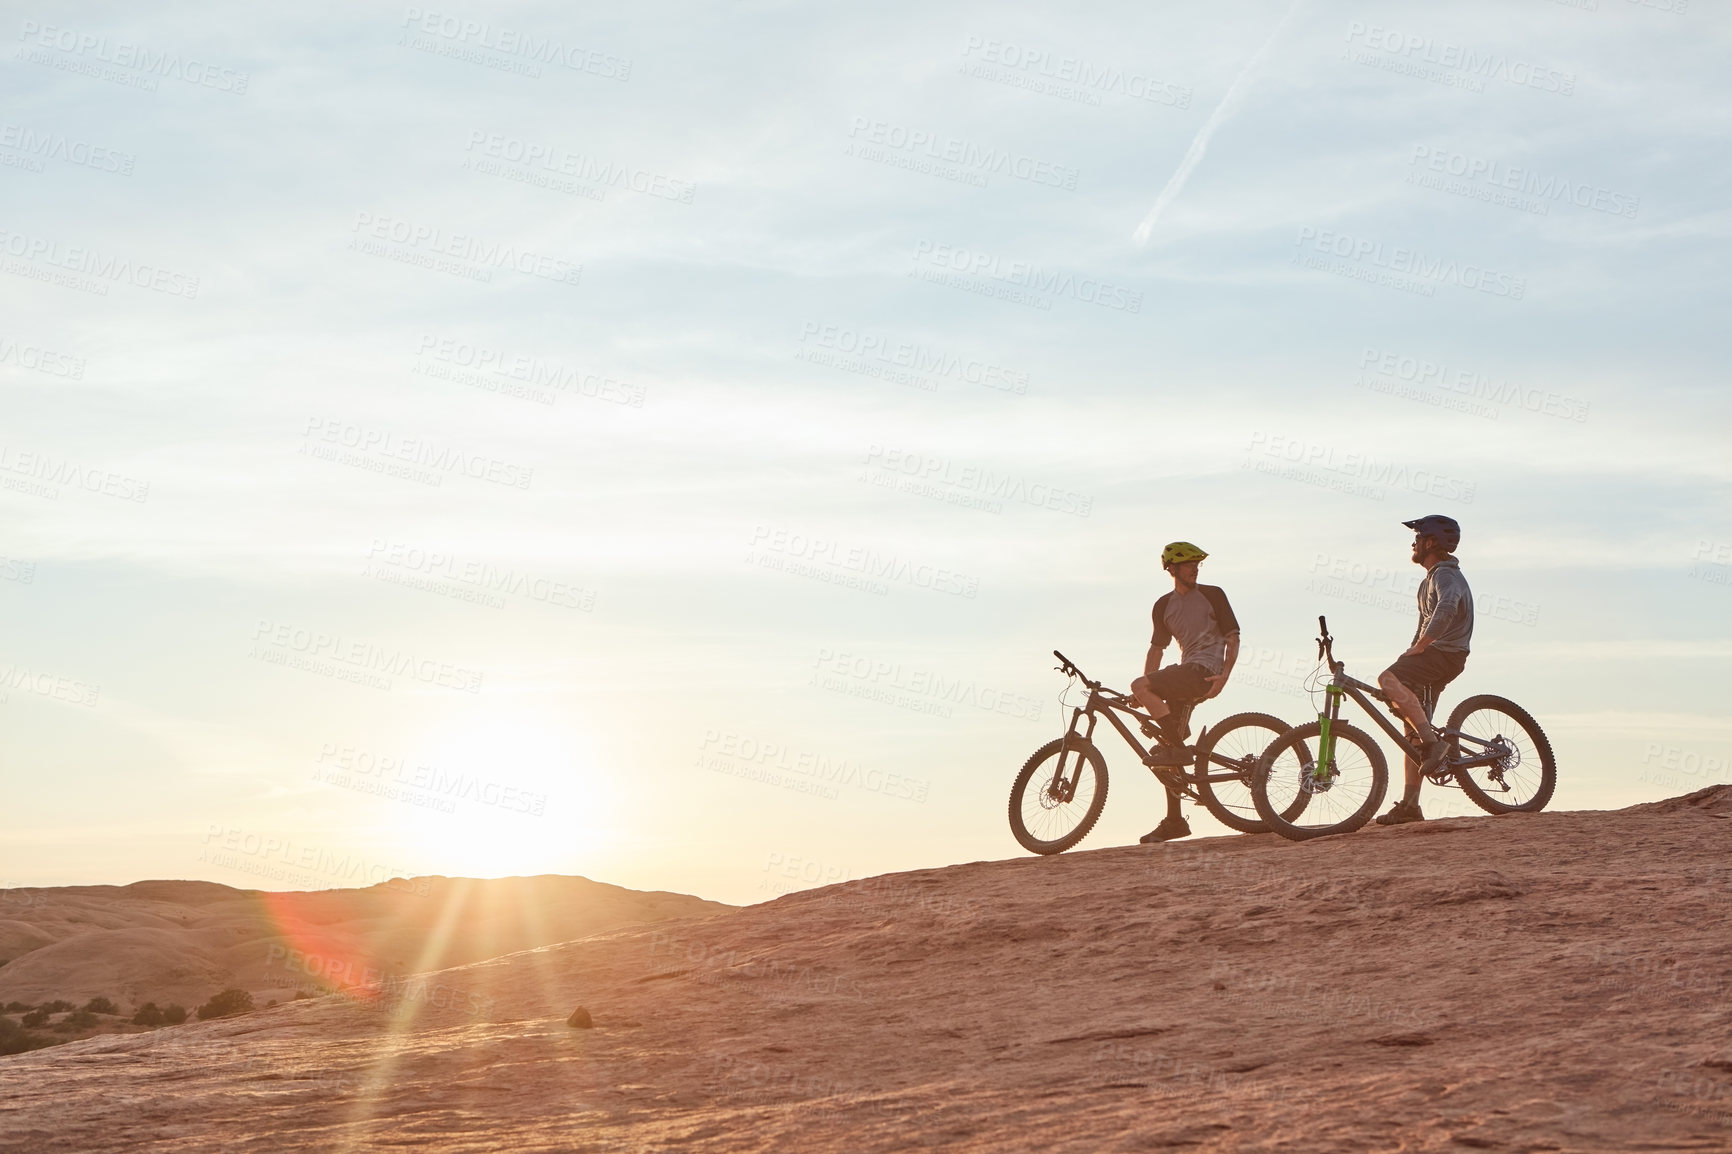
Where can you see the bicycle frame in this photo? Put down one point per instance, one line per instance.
(1109, 703)
(1341, 685)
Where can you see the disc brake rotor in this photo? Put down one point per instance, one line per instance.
(1310, 783)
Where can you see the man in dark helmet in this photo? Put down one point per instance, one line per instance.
(1436, 657)
(1208, 635)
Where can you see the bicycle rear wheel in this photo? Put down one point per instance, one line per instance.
(1048, 815)
(1234, 746)
(1340, 802)
(1522, 781)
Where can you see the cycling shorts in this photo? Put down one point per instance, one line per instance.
(1178, 683)
(1427, 673)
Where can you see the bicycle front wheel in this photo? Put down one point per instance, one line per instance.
(1233, 747)
(1058, 796)
(1519, 782)
(1339, 800)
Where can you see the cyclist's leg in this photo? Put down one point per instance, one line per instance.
(1172, 826)
(1156, 692)
(1169, 689)
(1153, 703)
(1403, 683)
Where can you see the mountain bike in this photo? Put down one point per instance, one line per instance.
(1062, 788)
(1498, 755)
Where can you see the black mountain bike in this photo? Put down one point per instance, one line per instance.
(1061, 790)
(1498, 755)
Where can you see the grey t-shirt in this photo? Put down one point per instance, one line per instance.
(1201, 620)
(1445, 608)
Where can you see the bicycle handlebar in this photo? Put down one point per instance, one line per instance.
(1066, 666)
(1326, 644)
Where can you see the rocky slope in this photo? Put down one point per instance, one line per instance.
(1516, 983)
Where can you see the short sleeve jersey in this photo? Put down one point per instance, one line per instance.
(1201, 620)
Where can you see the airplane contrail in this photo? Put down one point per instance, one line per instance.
(1200, 143)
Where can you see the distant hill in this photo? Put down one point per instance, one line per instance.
(182, 941)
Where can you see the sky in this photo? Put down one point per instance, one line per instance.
(665, 443)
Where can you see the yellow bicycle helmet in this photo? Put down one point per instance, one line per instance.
(1178, 551)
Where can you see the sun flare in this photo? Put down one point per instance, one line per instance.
(516, 793)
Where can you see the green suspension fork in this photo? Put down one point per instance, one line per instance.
(1326, 735)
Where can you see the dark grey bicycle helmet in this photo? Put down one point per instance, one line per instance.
(1445, 529)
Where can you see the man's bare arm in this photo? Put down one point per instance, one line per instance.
(1152, 663)
(1232, 658)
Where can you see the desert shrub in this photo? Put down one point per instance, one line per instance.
(76, 1020)
(37, 1017)
(173, 1014)
(147, 1015)
(230, 1001)
(101, 1005)
(14, 1040)
(18, 1008)
(299, 994)
(57, 1006)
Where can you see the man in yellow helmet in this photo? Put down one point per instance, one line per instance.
(1202, 621)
